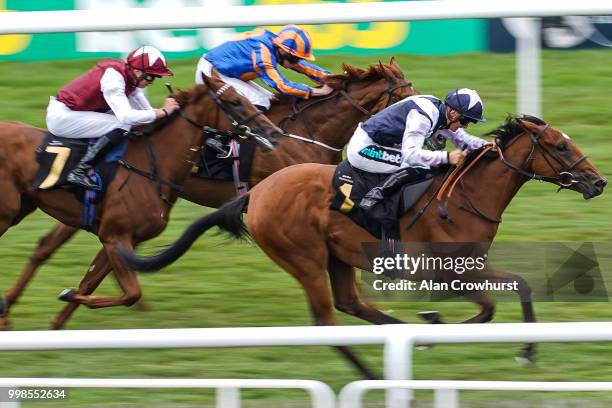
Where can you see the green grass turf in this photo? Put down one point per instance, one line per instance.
(221, 284)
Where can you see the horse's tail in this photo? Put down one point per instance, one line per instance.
(228, 218)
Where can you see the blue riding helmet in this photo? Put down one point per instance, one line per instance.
(467, 102)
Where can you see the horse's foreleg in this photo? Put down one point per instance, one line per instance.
(125, 277)
(527, 353)
(46, 247)
(487, 307)
(99, 268)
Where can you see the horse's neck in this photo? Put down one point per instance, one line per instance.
(176, 147)
(330, 121)
(491, 186)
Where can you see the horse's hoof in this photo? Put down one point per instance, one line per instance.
(5, 324)
(66, 295)
(54, 326)
(142, 306)
(431, 316)
(526, 356)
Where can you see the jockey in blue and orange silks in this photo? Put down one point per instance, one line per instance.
(257, 55)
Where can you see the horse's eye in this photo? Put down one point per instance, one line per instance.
(562, 147)
(236, 102)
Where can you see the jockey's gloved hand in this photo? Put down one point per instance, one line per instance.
(456, 157)
(322, 90)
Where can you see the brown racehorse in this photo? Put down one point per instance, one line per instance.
(359, 94)
(312, 242)
(137, 203)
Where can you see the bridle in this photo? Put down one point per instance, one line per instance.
(393, 98)
(564, 177)
(242, 131)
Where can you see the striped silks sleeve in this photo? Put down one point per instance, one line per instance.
(267, 66)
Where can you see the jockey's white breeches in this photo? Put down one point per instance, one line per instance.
(64, 122)
(367, 155)
(249, 89)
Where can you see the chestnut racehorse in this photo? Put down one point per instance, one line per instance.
(312, 242)
(137, 202)
(358, 94)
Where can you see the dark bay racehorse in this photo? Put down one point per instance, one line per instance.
(359, 94)
(329, 244)
(137, 202)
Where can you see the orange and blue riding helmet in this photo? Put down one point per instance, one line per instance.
(296, 41)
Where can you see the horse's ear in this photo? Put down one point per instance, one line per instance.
(394, 63)
(204, 79)
(215, 74)
(214, 78)
(527, 124)
(384, 71)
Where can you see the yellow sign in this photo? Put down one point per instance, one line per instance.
(12, 43)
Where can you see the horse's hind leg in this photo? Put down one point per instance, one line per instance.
(309, 270)
(12, 210)
(125, 277)
(99, 268)
(346, 297)
(46, 247)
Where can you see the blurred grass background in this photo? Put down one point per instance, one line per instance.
(223, 284)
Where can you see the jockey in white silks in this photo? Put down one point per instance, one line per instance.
(392, 140)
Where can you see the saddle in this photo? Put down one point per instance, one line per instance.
(352, 185)
(217, 161)
(57, 156)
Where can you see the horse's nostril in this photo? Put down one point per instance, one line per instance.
(601, 183)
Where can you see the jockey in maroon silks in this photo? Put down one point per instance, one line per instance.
(105, 103)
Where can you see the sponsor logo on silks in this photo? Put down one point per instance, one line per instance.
(382, 155)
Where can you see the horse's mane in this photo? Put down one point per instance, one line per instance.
(352, 74)
(513, 127)
(187, 96)
(506, 132)
(184, 98)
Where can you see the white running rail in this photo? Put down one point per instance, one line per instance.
(445, 392)
(172, 17)
(398, 340)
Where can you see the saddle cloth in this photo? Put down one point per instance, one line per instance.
(352, 185)
(57, 156)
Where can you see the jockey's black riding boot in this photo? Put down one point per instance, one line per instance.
(388, 187)
(79, 175)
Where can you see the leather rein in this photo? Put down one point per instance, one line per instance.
(242, 130)
(564, 177)
(298, 110)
